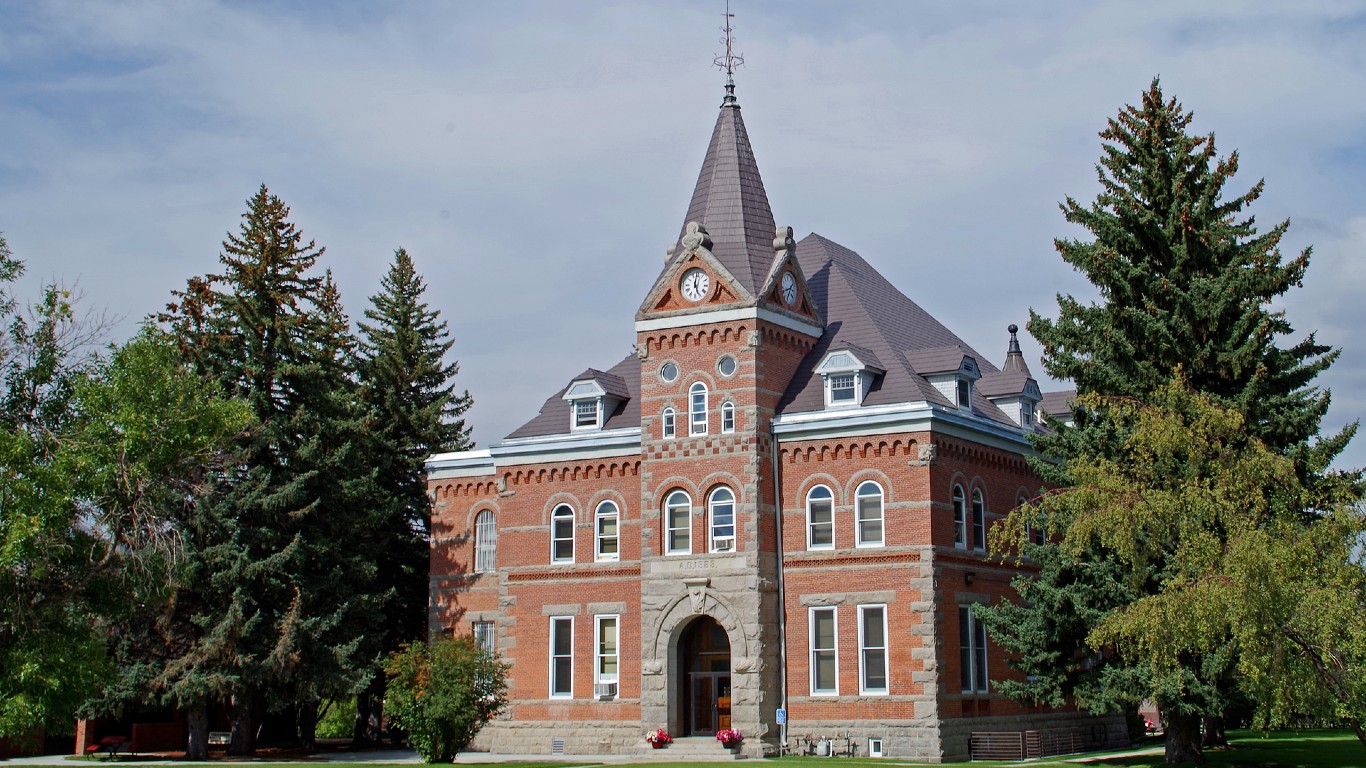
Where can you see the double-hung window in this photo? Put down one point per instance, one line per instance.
(585, 413)
(872, 640)
(606, 538)
(843, 388)
(979, 520)
(562, 657)
(868, 506)
(721, 514)
(824, 653)
(820, 518)
(678, 523)
(972, 642)
(605, 651)
(697, 409)
(728, 416)
(485, 541)
(562, 534)
(669, 429)
(960, 513)
(484, 635)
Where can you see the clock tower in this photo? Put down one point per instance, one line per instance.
(719, 337)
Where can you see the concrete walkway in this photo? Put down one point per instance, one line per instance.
(399, 756)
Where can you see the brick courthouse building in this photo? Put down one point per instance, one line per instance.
(778, 502)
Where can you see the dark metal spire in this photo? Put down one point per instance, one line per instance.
(1015, 362)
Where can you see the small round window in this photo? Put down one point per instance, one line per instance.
(726, 365)
(669, 372)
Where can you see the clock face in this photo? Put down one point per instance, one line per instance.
(789, 288)
(695, 284)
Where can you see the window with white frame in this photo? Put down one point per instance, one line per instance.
(721, 515)
(872, 640)
(964, 393)
(669, 429)
(868, 511)
(697, 409)
(972, 642)
(960, 514)
(484, 635)
(678, 523)
(606, 521)
(485, 541)
(820, 518)
(848, 376)
(843, 388)
(585, 414)
(979, 520)
(824, 653)
(728, 416)
(605, 651)
(1028, 417)
(562, 534)
(562, 657)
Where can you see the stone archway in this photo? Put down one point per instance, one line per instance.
(703, 694)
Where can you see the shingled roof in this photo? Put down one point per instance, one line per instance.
(730, 202)
(624, 380)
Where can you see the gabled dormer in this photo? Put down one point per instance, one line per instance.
(592, 397)
(951, 370)
(848, 372)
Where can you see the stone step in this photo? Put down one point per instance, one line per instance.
(686, 747)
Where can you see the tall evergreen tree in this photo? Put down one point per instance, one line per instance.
(1187, 284)
(409, 387)
(279, 593)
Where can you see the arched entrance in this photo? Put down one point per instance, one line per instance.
(704, 660)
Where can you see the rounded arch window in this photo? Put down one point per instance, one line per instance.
(485, 541)
(728, 416)
(606, 538)
(668, 423)
(721, 517)
(820, 518)
(562, 534)
(960, 514)
(697, 409)
(868, 515)
(979, 520)
(678, 523)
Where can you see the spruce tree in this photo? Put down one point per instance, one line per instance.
(409, 387)
(1186, 284)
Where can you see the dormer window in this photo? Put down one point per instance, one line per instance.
(592, 397)
(950, 370)
(964, 393)
(848, 373)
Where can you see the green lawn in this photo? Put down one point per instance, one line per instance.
(1284, 749)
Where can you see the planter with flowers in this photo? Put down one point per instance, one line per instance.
(729, 738)
(659, 738)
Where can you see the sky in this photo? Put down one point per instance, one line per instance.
(536, 158)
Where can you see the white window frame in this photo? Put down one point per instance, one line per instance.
(598, 655)
(815, 650)
(685, 532)
(560, 624)
(865, 650)
(960, 516)
(485, 541)
(607, 510)
(829, 500)
(580, 408)
(979, 520)
(485, 635)
(556, 519)
(697, 408)
(723, 543)
(834, 386)
(964, 393)
(972, 647)
(859, 496)
(728, 416)
(669, 429)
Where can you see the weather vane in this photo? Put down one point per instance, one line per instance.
(730, 60)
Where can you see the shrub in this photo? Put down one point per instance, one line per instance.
(442, 693)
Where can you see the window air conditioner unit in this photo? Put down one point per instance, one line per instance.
(605, 690)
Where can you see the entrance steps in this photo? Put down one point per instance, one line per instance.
(685, 748)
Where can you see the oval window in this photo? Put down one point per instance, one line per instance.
(726, 365)
(669, 372)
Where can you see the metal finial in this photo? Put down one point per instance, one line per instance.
(728, 61)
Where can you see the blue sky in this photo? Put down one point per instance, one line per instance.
(536, 158)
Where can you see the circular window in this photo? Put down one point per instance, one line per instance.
(668, 372)
(726, 365)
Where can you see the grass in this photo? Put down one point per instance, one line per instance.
(1282, 749)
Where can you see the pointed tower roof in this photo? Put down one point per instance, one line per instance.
(1015, 362)
(730, 202)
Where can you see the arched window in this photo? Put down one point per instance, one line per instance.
(960, 513)
(697, 409)
(485, 541)
(979, 520)
(678, 524)
(668, 430)
(868, 506)
(820, 518)
(605, 536)
(728, 416)
(721, 512)
(562, 534)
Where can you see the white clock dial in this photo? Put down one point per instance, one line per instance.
(789, 288)
(695, 284)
